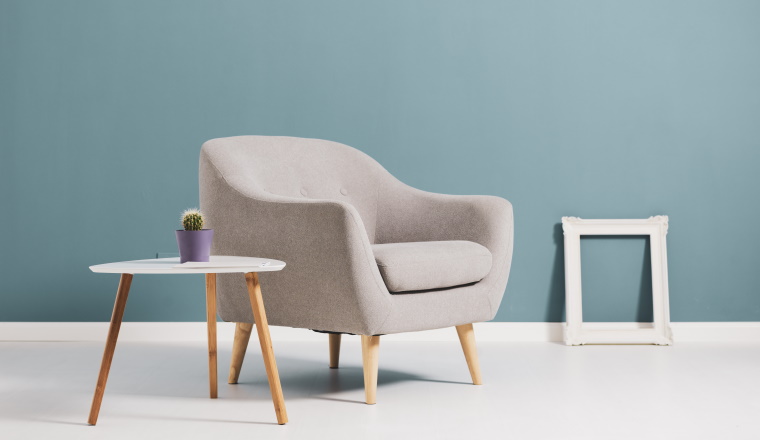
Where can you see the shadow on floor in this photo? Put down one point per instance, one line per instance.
(177, 370)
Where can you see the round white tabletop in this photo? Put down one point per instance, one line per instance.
(218, 264)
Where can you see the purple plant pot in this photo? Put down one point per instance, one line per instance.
(194, 245)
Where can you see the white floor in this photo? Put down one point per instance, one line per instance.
(531, 391)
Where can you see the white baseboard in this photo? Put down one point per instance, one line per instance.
(485, 332)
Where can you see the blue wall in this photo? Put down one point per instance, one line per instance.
(592, 108)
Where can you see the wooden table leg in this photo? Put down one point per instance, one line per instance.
(113, 335)
(211, 326)
(262, 327)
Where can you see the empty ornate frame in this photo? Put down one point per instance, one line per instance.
(576, 333)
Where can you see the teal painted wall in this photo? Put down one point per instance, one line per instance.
(592, 108)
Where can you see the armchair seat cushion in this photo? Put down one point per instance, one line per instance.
(425, 265)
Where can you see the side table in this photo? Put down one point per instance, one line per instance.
(219, 264)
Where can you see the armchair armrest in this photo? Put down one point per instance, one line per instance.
(331, 281)
(407, 214)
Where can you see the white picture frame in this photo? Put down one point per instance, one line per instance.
(578, 333)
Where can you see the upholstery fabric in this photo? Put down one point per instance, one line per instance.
(431, 264)
(320, 206)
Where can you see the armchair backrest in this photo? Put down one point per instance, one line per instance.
(304, 168)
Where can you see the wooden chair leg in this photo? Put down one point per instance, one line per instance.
(213, 377)
(262, 328)
(113, 334)
(370, 350)
(334, 349)
(239, 345)
(467, 339)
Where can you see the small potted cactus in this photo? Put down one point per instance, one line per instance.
(194, 242)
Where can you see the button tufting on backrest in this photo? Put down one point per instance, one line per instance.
(305, 169)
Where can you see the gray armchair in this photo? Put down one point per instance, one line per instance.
(366, 254)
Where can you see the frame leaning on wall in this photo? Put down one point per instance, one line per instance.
(576, 333)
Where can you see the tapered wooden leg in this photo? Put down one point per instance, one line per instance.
(370, 350)
(239, 346)
(113, 334)
(213, 377)
(334, 349)
(262, 328)
(467, 339)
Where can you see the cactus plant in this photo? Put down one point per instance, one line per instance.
(193, 241)
(192, 220)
